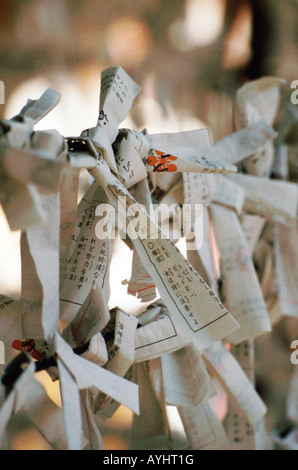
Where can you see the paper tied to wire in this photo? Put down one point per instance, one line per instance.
(201, 312)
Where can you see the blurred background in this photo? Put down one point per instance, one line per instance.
(189, 56)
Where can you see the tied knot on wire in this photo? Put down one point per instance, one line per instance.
(15, 368)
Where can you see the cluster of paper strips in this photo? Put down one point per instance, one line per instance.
(204, 312)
